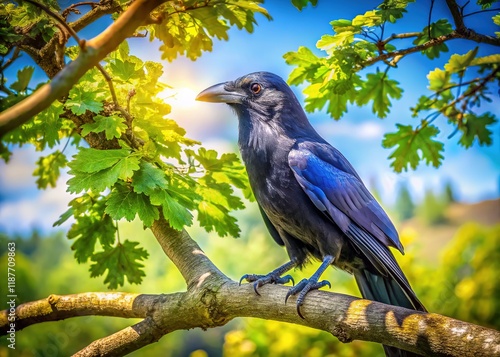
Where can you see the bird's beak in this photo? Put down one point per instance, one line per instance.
(221, 93)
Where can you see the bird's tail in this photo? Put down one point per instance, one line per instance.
(388, 291)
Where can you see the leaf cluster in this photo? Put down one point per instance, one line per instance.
(188, 28)
(134, 161)
(341, 77)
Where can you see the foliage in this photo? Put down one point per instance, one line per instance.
(466, 283)
(271, 338)
(139, 163)
(341, 77)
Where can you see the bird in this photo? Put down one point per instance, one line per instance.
(312, 200)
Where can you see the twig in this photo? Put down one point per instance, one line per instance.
(429, 19)
(60, 20)
(15, 55)
(395, 36)
(481, 11)
(73, 8)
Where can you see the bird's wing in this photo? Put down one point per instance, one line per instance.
(325, 175)
(345, 200)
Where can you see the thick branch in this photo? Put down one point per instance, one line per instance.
(96, 49)
(212, 300)
(456, 13)
(60, 307)
(346, 317)
(185, 253)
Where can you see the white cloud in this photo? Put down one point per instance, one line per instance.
(39, 211)
(18, 173)
(365, 130)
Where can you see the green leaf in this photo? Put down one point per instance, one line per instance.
(45, 129)
(125, 203)
(122, 261)
(393, 10)
(413, 146)
(307, 63)
(148, 179)
(212, 216)
(87, 232)
(300, 4)
(176, 214)
(491, 59)
(23, 79)
(99, 169)
(80, 101)
(125, 168)
(370, 18)
(328, 43)
(439, 28)
(93, 160)
(379, 88)
(475, 128)
(95, 181)
(459, 63)
(496, 21)
(228, 168)
(48, 169)
(113, 126)
(124, 70)
(438, 79)
(486, 4)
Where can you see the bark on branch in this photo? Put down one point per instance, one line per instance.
(212, 299)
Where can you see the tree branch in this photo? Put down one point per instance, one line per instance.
(433, 42)
(212, 299)
(464, 31)
(100, 9)
(60, 307)
(97, 49)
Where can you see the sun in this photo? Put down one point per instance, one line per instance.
(181, 98)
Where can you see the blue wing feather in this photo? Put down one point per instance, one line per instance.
(341, 195)
(331, 181)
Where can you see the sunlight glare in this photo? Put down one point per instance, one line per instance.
(178, 97)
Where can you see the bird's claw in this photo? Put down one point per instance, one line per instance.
(259, 280)
(302, 288)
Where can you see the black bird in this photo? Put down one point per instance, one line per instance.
(312, 200)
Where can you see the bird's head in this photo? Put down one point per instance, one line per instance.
(260, 96)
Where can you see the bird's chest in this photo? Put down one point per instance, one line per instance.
(281, 197)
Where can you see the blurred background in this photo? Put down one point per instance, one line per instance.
(448, 218)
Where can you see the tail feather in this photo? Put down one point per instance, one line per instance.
(388, 291)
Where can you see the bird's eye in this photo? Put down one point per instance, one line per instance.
(255, 88)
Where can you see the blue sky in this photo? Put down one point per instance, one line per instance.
(474, 173)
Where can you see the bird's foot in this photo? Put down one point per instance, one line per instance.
(306, 285)
(273, 277)
(302, 288)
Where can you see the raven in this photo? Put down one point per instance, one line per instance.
(312, 200)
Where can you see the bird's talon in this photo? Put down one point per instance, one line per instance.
(242, 278)
(299, 313)
(255, 286)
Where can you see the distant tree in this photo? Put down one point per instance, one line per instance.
(449, 192)
(405, 208)
(432, 208)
